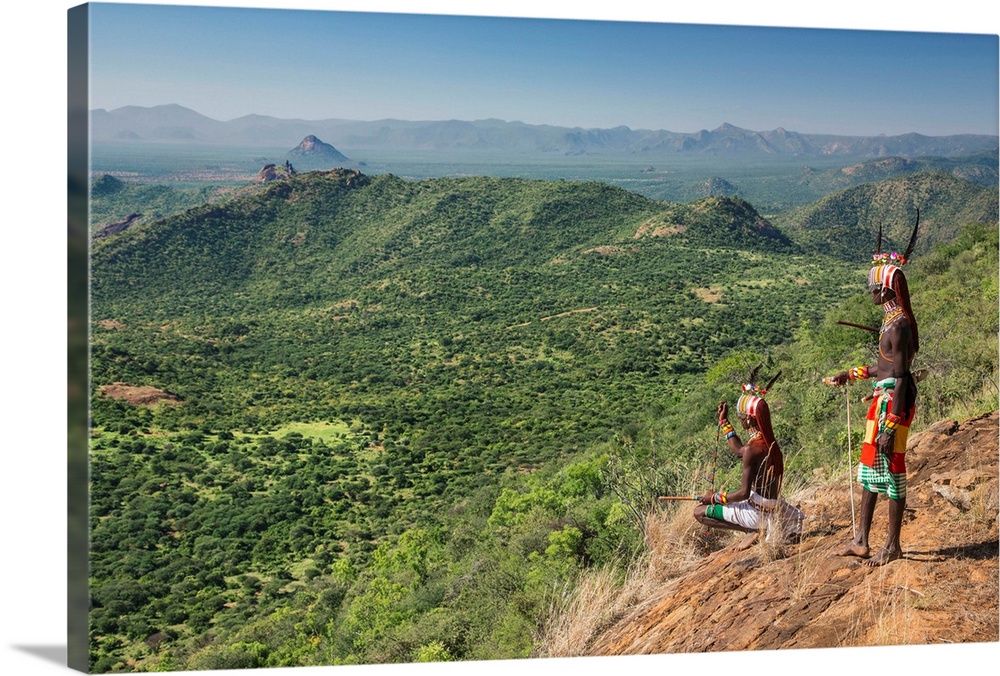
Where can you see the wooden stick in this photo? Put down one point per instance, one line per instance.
(850, 458)
(859, 326)
(680, 497)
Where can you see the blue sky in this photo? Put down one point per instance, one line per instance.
(225, 62)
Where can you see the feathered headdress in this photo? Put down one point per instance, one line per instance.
(886, 273)
(886, 265)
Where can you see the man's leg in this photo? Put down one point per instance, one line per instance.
(892, 549)
(702, 517)
(859, 545)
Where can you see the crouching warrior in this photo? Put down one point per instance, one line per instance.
(757, 505)
(894, 400)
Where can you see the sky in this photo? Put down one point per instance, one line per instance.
(226, 62)
(33, 272)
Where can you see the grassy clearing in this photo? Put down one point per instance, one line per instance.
(325, 431)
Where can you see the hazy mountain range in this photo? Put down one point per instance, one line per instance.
(175, 123)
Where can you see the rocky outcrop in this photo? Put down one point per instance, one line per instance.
(272, 172)
(110, 229)
(267, 173)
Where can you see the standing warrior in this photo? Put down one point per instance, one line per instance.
(758, 503)
(883, 460)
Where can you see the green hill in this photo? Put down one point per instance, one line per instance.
(330, 229)
(777, 186)
(113, 200)
(846, 223)
(343, 419)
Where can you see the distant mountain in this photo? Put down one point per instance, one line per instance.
(312, 151)
(174, 123)
(159, 123)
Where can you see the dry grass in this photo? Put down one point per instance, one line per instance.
(984, 506)
(885, 614)
(138, 395)
(600, 597)
(595, 603)
(711, 294)
(675, 544)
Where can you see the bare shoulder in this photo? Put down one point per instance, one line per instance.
(899, 331)
(754, 451)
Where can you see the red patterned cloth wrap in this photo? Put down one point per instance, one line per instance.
(881, 476)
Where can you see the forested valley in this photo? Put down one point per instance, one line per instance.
(346, 419)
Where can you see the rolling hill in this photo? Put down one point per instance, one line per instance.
(346, 227)
(340, 418)
(838, 222)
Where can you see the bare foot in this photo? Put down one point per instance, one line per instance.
(883, 557)
(746, 542)
(853, 549)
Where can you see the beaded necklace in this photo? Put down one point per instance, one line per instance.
(891, 315)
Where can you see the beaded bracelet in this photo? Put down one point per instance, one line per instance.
(720, 498)
(727, 429)
(858, 373)
(892, 422)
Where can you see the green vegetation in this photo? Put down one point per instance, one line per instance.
(411, 412)
(833, 224)
(112, 200)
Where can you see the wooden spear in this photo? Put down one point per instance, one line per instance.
(859, 326)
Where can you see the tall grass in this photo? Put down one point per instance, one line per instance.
(674, 544)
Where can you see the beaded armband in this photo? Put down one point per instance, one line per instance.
(726, 429)
(720, 498)
(892, 422)
(858, 373)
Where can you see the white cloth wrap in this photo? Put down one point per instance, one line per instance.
(775, 516)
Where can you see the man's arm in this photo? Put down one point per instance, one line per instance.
(750, 462)
(901, 340)
(857, 373)
(726, 429)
